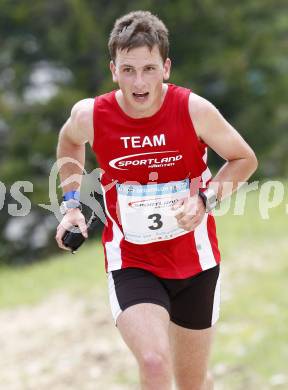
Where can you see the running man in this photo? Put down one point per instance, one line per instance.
(150, 139)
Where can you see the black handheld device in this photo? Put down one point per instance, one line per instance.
(73, 239)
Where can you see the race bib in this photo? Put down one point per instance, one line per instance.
(146, 213)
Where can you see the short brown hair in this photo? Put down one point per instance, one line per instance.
(136, 29)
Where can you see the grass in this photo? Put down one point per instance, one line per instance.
(79, 273)
(251, 348)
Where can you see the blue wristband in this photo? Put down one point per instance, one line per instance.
(71, 195)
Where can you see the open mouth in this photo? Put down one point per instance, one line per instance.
(140, 96)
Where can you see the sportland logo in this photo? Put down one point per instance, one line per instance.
(271, 194)
(153, 202)
(146, 159)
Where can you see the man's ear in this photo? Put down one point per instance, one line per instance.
(167, 69)
(113, 71)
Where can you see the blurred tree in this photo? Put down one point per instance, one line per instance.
(55, 53)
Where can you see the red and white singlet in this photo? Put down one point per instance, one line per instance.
(147, 164)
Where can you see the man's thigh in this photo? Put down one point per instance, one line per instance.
(145, 329)
(140, 307)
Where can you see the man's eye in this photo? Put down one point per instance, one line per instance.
(127, 70)
(150, 68)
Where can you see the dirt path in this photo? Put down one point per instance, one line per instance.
(63, 343)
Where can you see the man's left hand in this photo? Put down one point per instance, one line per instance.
(191, 212)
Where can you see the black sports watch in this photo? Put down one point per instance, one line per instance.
(209, 198)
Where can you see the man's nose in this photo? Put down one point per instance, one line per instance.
(139, 82)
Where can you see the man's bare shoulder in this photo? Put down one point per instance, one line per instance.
(202, 112)
(82, 112)
(199, 106)
(81, 120)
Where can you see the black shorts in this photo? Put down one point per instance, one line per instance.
(191, 303)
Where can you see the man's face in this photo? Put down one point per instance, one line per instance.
(139, 73)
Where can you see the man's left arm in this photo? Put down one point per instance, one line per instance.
(212, 128)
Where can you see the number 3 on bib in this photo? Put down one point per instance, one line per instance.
(157, 220)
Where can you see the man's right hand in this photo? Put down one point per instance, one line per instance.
(73, 217)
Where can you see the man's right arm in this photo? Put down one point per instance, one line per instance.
(77, 130)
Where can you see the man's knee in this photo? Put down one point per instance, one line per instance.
(155, 362)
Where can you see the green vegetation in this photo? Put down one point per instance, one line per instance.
(54, 53)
